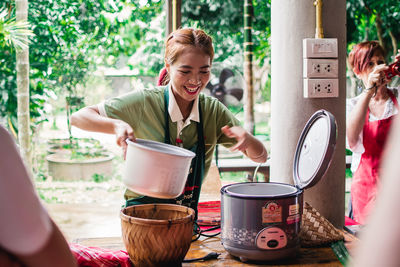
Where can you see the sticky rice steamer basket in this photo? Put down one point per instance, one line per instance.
(156, 169)
(157, 234)
(261, 221)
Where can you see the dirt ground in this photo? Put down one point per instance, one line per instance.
(82, 208)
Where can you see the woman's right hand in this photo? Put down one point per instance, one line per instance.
(376, 78)
(123, 131)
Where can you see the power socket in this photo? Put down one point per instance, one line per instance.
(320, 88)
(320, 48)
(320, 68)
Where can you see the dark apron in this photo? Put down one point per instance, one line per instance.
(191, 194)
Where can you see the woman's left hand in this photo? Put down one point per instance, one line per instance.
(239, 134)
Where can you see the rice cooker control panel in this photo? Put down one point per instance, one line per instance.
(271, 238)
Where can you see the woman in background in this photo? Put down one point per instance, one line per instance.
(368, 122)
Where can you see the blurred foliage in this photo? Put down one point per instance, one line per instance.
(59, 53)
(75, 37)
(374, 20)
(71, 39)
(223, 20)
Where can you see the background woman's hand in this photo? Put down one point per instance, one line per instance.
(376, 77)
(239, 134)
(397, 57)
(123, 131)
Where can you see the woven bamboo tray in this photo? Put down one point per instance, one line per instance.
(157, 234)
(316, 230)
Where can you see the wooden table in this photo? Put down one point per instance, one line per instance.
(323, 256)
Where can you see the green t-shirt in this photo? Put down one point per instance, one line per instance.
(144, 111)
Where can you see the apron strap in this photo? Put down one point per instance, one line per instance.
(199, 160)
(394, 99)
(167, 137)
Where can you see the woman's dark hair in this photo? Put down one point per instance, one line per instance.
(361, 55)
(178, 41)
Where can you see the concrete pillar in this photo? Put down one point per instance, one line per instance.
(291, 22)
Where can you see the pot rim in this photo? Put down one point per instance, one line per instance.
(189, 217)
(298, 191)
(150, 145)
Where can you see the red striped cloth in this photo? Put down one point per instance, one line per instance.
(209, 213)
(99, 257)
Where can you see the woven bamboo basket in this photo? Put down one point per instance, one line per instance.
(316, 230)
(157, 234)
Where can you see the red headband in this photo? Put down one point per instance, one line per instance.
(161, 76)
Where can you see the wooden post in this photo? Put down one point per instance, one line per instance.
(168, 6)
(248, 67)
(22, 59)
(174, 15)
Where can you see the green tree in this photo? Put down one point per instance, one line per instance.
(372, 20)
(14, 33)
(65, 34)
(223, 20)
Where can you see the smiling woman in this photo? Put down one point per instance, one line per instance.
(175, 113)
(189, 74)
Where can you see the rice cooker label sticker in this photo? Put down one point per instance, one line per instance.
(294, 209)
(272, 213)
(293, 219)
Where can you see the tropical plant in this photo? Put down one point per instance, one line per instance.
(13, 36)
(13, 33)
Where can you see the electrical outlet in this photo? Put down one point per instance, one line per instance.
(320, 88)
(320, 68)
(320, 48)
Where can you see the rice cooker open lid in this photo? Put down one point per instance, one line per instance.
(314, 149)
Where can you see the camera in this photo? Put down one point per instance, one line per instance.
(393, 70)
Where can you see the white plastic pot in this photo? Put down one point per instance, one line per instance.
(156, 169)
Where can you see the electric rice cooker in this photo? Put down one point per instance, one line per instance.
(261, 221)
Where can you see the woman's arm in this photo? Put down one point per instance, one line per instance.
(89, 119)
(27, 233)
(246, 143)
(356, 120)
